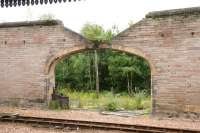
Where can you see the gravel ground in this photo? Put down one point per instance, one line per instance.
(21, 128)
(96, 116)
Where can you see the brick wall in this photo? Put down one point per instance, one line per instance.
(25, 49)
(168, 40)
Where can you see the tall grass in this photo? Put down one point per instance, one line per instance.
(54, 105)
(106, 100)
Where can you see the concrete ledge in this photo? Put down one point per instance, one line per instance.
(30, 23)
(174, 12)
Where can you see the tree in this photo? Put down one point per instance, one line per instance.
(97, 35)
(104, 70)
(118, 72)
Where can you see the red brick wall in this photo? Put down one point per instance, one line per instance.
(25, 49)
(29, 52)
(171, 44)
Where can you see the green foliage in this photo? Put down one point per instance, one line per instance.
(54, 105)
(111, 106)
(93, 32)
(123, 78)
(142, 100)
(97, 34)
(77, 71)
(138, 100)
(106, 100)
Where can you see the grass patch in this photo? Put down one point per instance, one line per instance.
(110, 106)
(54, 105)
(106, 100)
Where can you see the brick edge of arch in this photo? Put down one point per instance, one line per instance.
(77, 49)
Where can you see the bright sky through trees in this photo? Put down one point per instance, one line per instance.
(103, 12)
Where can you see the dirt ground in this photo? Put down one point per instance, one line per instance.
(97, 116)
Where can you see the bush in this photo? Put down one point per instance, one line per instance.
(111, 106)
(139, 97)
(147, 103)
(54, 105)
(106, 100)
(127, 103)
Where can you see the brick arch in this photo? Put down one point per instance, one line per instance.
(76, 49)
(168, 40)
(138, 52)
(51, 63)
(59, 55)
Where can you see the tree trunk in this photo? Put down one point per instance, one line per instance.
(97, 73)
(67, 60)
(128, 84)
(131, 84)
(63, 74)
(112, 89)
(90, 75)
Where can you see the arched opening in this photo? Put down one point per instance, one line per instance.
(126, 78)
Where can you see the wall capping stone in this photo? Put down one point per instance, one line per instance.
(174, 12)
(31, 23)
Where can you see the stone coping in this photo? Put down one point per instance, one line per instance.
(30, 23)
(174, 12)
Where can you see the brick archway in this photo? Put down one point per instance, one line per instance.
(60, 54)
(51, 63)
(168, 40)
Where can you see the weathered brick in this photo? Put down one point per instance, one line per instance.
(29, 52)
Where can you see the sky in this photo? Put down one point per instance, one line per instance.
(103, 12)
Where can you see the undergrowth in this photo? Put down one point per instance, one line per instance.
(106, 100)
(54, 105)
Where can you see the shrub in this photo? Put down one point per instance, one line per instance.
(111, 106)
(127, 104)
(139, 97)
(54, 105)
(147, 103)
(106, 100)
